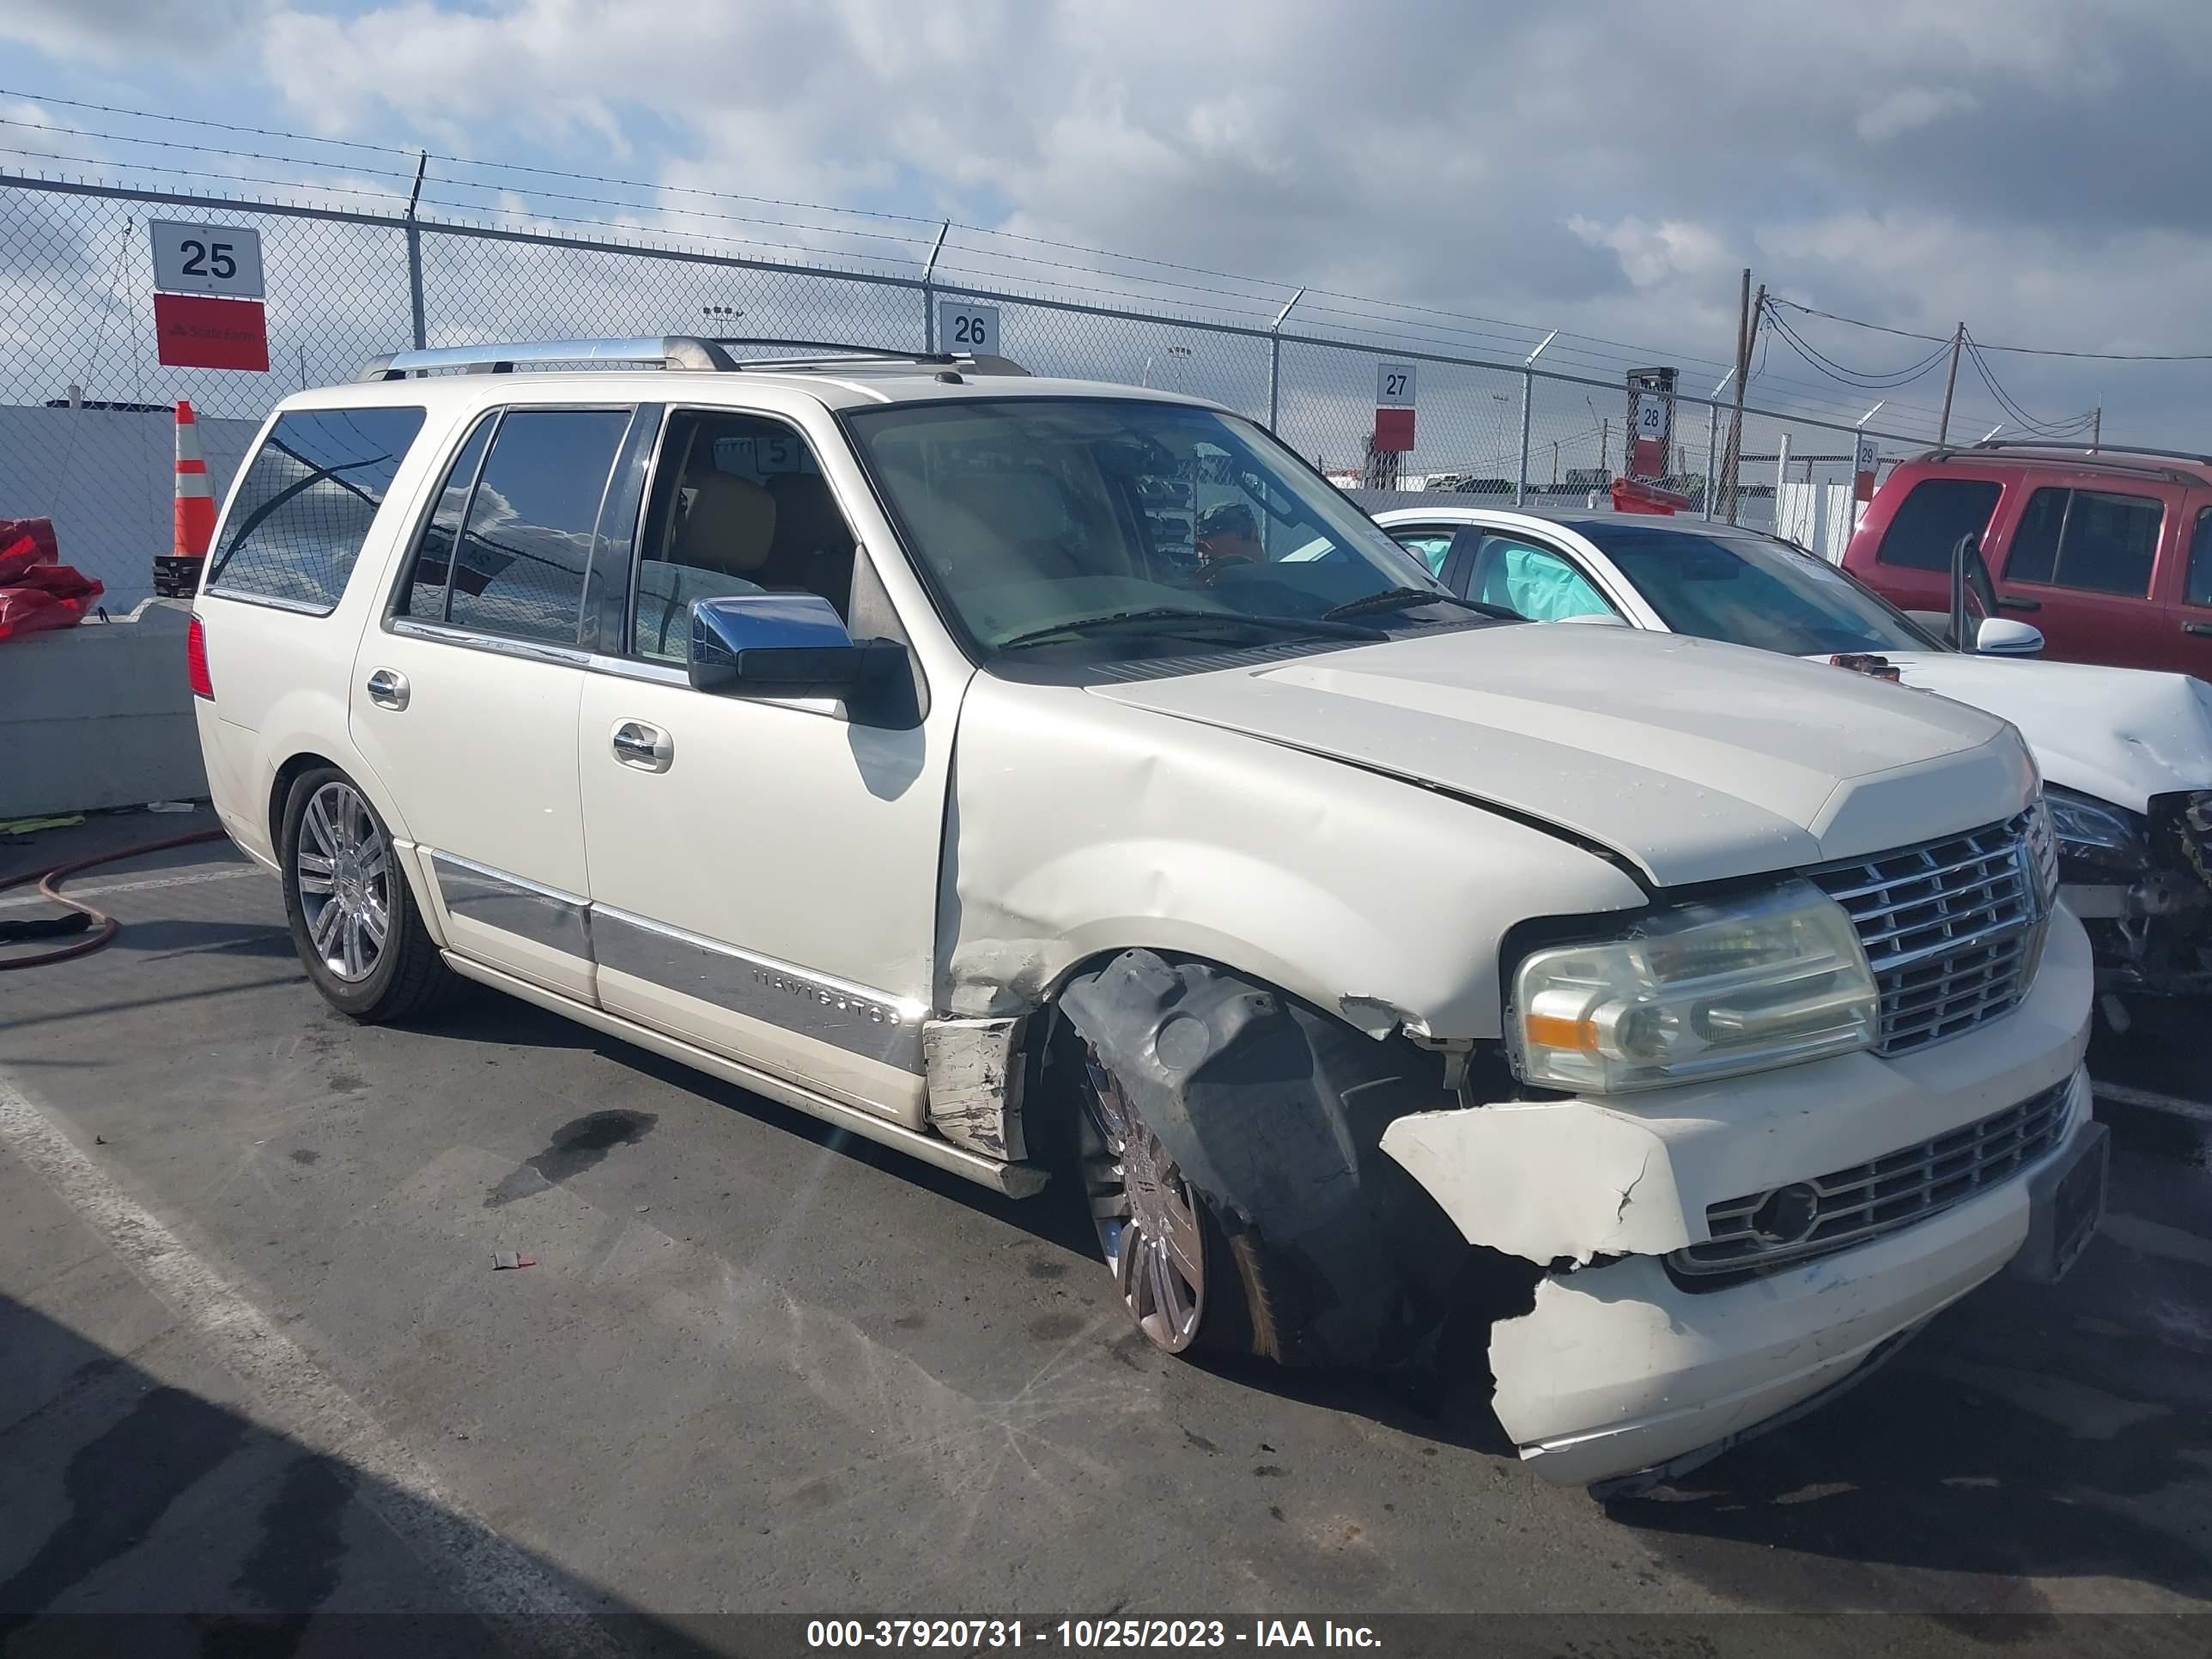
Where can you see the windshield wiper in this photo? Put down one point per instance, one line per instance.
(1180, 613)
(1405, 598)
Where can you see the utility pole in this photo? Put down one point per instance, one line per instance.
(1950, 380)
(1605, 446)
(1555, 463)
(1747, 333)
(2096, 428)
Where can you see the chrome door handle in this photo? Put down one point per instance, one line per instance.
(646, 747)
(2201, 629)
(388, 689)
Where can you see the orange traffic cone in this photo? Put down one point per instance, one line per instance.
(179, 574)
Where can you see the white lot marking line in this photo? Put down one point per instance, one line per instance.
(228, 873)
(2148, 1102)
(494, 1577)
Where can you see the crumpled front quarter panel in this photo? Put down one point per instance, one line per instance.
(2123, 735)
(1081, 825)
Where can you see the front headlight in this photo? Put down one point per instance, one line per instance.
(2095, 833)
(1704, 991)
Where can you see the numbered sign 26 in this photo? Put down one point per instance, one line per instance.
(222, 259)
(1395, 385)
(969, 328)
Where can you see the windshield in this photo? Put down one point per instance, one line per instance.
(1133, 526)
(1748, 590)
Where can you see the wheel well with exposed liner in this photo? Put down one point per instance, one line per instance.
(1273, 1110)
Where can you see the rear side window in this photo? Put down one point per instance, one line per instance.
(1930, 521)
(304, 506)
(526, 519)
(2095, 540)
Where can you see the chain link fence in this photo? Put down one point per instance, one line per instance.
(86, 424)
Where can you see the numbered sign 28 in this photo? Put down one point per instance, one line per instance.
(967, 328)
(1395, 385)
(222, 259)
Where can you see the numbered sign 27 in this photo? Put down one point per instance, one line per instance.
(222, 259)
(1395, 385)
(967, 328)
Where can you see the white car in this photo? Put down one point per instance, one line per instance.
(2126, 754)
(837, 728)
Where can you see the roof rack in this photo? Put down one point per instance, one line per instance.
(2111, 458)
(671, 351)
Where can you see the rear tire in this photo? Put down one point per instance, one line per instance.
(353, 915)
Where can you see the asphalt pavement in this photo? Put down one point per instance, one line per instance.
(256, 1365)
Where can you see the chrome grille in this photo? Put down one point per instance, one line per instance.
(1833, 1211)
(1953, 928)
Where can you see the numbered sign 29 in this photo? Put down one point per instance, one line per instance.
(968, 328)
(222, 259)
(1394, 384)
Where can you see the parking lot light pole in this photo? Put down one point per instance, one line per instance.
(1527, 396)
(1275, 355)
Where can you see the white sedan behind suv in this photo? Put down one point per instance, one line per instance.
(839, 727)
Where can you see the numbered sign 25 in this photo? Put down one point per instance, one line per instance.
(967, 328)
(1394, 385)
(223, 259)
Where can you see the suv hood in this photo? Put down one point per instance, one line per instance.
(2121, 734)
(1694, 760)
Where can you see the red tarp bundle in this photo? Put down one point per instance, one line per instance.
(36, 590)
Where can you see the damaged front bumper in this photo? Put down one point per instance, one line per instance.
(1629, 1360)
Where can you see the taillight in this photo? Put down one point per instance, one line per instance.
(196, 668)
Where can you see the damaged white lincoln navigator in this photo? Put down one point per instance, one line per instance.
(951, 754)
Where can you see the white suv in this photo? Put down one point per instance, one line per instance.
(1689, 1023)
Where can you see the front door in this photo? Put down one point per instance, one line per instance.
(763, 872)
(464, 700)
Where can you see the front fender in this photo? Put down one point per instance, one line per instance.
(1081, 826)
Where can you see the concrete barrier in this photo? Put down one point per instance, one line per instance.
(98, 715)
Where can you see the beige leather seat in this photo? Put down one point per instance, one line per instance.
(729, 527)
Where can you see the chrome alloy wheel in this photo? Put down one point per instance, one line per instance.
(345, 876)
(1147, 1221)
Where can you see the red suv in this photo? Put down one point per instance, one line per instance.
(2109, 553)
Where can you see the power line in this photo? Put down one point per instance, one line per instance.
(1864, 379)
(2043, 428)
(2030, 351)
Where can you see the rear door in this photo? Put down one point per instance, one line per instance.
(2186, 621)
(2079, 565)
(465, 697)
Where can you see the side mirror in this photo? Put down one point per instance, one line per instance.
(782, 645)
(2001, 637)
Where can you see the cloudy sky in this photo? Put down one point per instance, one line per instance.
(2033, 167)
